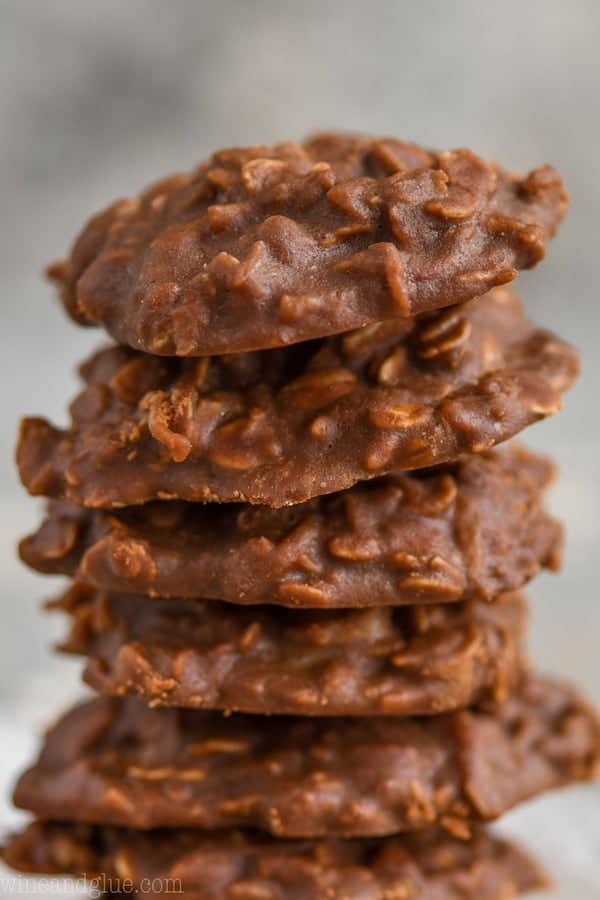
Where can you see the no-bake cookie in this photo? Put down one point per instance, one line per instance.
(266, 246)
(282, 426)
(410, 661)
(471, 532)
(248, 866)
(115, 761)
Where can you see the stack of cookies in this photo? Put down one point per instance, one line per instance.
(296, 555)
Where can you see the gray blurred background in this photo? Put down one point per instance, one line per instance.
(97, 98)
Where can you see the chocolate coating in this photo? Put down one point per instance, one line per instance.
(118, 762)
(280, 427)
(409, 661)
(248, 866)
(265, 246)
(468, 533)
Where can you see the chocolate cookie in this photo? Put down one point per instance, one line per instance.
(249, 866)
(412, 661)
(468, 533)
(266, 246)
(117, 762)
(282, 426)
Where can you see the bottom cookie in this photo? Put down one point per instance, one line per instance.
(235, 865)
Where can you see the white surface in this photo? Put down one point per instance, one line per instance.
(98, 97)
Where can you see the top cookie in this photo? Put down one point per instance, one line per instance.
(265, 246)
